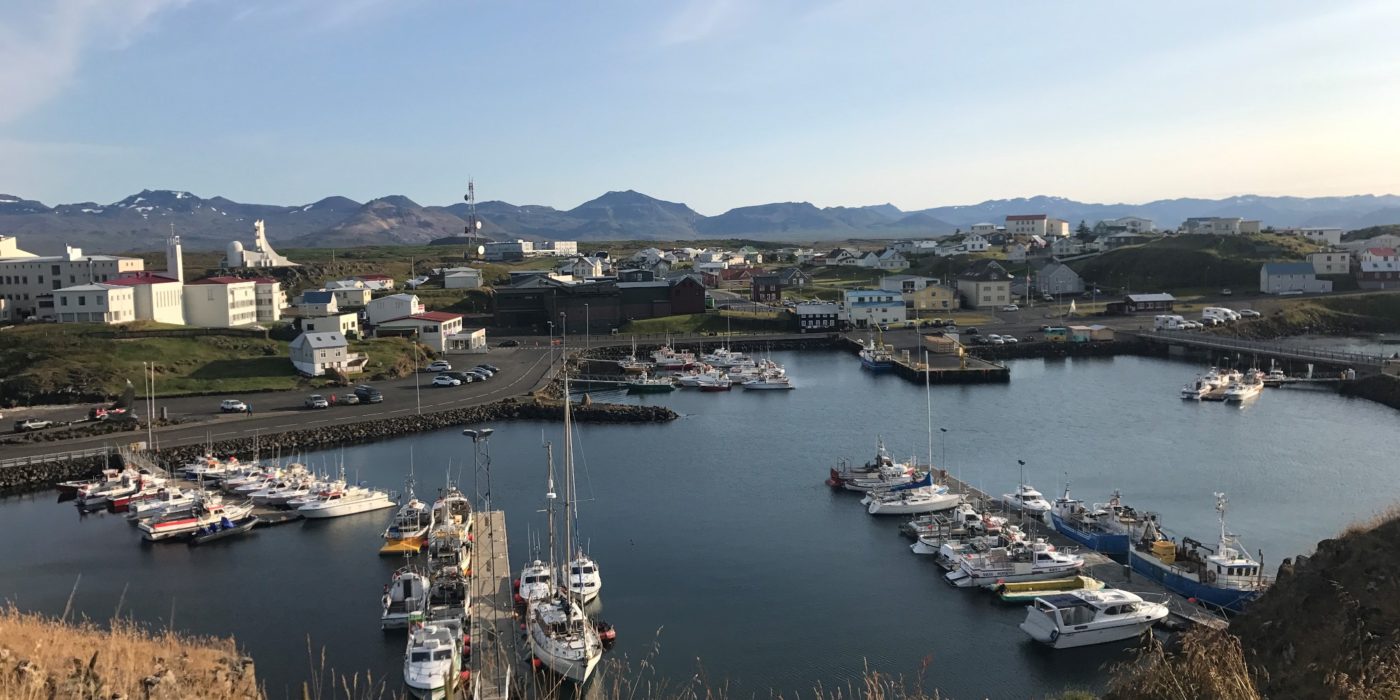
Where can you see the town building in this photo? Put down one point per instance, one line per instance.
(461, 278)
(1026, 225)
(26, 278)
(261, 255)
(817, 316)
(985, 285)
(271, 300)
(1055, 277)
(887, 259)
(499, 251)
(1219, 226)
(468, 341)
(346, 324)
(1378, 268)
(376, 282)
(1017, 252)
(556, 248)
(432, 328)
(318, 303)
(766, 289)
(1322, 235)
(351, 297)
(158, 298)
(221, 302)
(1142, 303)
(1065, 247)
(1280, 277)
(1129, 224)
(534, 304)
(94, 303)
(922, 296)
(583, 267)
(393, 306)
(841, 257)
(314, 353)
(1385, 240)
(867, 308)
(793, 278)
(1331, 262)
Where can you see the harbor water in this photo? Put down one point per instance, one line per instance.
(725, 557)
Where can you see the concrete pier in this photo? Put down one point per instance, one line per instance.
(493, 625)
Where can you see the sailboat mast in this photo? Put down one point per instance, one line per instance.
(549, 502)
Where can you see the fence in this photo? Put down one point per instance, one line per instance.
(1267, 348)
(54, 457)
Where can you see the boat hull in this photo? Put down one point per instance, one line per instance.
(575, 669)
(1097, 541)
(1176, 581)
(1058, 639)
(343, 509)
(876, 365)
(962, 579)
(940, 502)
(650, 388)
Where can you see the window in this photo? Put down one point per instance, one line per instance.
(63, 301)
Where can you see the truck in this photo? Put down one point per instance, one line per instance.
(1169, 322)
(1220, 313)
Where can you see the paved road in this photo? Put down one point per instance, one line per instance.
(522, 371)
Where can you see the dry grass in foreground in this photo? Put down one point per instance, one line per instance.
(43, 657)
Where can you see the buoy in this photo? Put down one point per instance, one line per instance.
(515, 584)
(522, 627)
(467, 639)
(465, 675)
(519, 599)
(536, 663)
(472, 538)
(1191, 601)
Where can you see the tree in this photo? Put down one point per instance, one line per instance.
(1083, 229)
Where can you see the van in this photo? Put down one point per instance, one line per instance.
(1219, 313)
(1169, 322)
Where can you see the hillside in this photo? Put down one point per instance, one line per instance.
(393, 220)
(1190, 262)
(1371, 232)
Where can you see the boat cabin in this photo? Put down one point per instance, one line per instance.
(1072, 610)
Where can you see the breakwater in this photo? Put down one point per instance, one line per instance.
(21, 476)
(1016, 351)
(616, 349)
(1381, 388)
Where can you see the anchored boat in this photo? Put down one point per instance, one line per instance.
(1224, 577)
(1082, 618)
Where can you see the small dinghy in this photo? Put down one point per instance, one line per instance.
(224, 528)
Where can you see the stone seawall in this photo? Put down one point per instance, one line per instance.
(1043, 349)
(38, 475)
(1381, 388)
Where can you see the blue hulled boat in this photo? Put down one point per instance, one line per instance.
(876, 357)
(1102, 527)
(1225, 578)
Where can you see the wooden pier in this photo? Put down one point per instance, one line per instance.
(493, 625)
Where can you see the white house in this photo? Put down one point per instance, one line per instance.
(1331, 262)
(1062, 247)
(974, 243)
(1275, 278)
(271, 300)
(433, 327)
(351, 297)
(467, 341)
(887, 259)
(94, 303)
(1325, 235)
(346, 324)
(557, 248)
(840, 257)
(1016, 252)
(1378, 268)
(1385, 240)
(461, 278)
(315, 353)
(1131, 224)
(221, 302)
(583, 267)
(344, 284)
(497, 251)
(25, 277)
(158, 298)
(1219, 225)
(983, 229)
(1022, 225)
(393, 306)
(864, 308)
(376, 283)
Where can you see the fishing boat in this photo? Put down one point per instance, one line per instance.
(350, 500)
(1027, 591)
(1026, 498)
(177, 523)
(432, 657)
(1198, 389)
(164, 499)
(405, 599)
(1275, 378)
(931, 530)
(536, 582)
(709, 382)
(1082, 618)
(952, 552)
(1224, 577)
(408, 531)
(449, 548)
(1246, 388)
(876, 357)
(1023, 561)
(212, 469)
(725, 358)
(644, 384)
(122, 488)
(665, 358)
(631, 365)
(1103, 527)
(223, 529)
(919, 496)
(452, 509)
(883, 463)
(448, 596)
(147, 489)
(768, 382)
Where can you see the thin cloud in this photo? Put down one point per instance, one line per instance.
(44, 45)
(698, 20)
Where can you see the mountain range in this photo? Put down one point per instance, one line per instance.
(143, 220)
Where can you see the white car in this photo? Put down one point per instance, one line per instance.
(439, 366)
(233, 406)
(996, 340)
(1009, 339)
(1011, 307)
(1249, 313)
(444, 380)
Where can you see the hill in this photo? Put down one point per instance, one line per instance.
(393, 220)
(1184, 262)
(1371, 232)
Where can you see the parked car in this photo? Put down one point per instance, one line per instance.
(480, 376)
(1011, 307)
(1226, 293)
(233, 406)
(444, 380)
(493, 368)
(1009, 339)
(508, 344)
(368, 394)
(463, 377)
(995, 340)
(1249, 313)
(1211, 322)
(22, 426)
(439, 366)
(970, 330)
(1047, 297)
(487, 370)
(317, 401)
(347, 400)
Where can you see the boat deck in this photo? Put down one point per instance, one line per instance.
(493, 625)
(1114, 573)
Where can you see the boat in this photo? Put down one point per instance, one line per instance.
(1022, 561)
(1275, 377)
(536, 583)
(584, 580)
(433, 657)
(919, 496)
(164, 499)
(449, 548)
(932, 530)
(121, 486)
(631, 365)
(452, 509)
(1026, 591)
(405, 599)
(180, 522)
(351, 500)
(1082, 618)
(1224, 578)
(561, 634)
(726, 358)
(279, 492)
(1026, 498)
(843, 475)
(223, 529)
(768, 382)
(1103, 527)
(952, 552)
(1222, 378)
(665, 358)
(876, 357)
(448, 596)
(644, 384)
(1198, 389)
(212, 469)
(1247, 388)
(709, 382)
(408, 531)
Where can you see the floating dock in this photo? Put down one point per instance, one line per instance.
(493, 625)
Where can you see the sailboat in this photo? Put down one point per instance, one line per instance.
(561, 635)
(632, 365)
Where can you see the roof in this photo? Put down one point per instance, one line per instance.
(1064, 600)
(1025, 217)
(332, 339)
(374, 277)
(1290, 268)
(87, 288)
(1382, 252)
(317, 297)
(400, 297)
(264, 280)
(1146, 298)
(223, 279)
(429, 316)
(637, 285)
(140, 278)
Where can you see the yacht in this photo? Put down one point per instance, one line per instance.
(123, 485)
(914, 497)
(1224, 578)
(405, 599)
(883, 464)
(631, 365)
(1027, 499)
(1102, 527)
(1023, 561)
(408, 531)
(1246, 388)
(664, 358)
(1081, 618)
(432, 657)
(175, 523)
(584, 580)
(768, 382)
(1198, 389)
(350, 500)
(644, 384)
(725, 358)
(714, 382)
(536, 582)
(168, 498)
(952, 552)
(1275, 377)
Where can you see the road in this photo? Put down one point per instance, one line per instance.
(522, 371)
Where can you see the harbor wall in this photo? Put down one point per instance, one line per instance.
(35, 475)
(1381, 388)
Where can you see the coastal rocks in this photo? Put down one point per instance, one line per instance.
(43, 474)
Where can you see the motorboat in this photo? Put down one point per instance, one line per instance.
(180, 522)
(1198, 389)
(448, 596)
(408, 531)
(919, 496)
(563, 638)
(452, 509)
(933, 529)
(1082, 618)
(536, 582)
(876, 357)
(1027, 591)
(709, 382)
(278, 492)
(1022, 561)
(405, 599)
(1026, 498)
(148, 489)
(449, 548)
(223, 529)
(883, 464)
(351, 500)
(1103, 527)
(726, 358)
(665, 358)
(1222, 578)
(166, 498)
(125, 485)
(432, 657)
(631, 365)
(952, 551)
(1247, 388)
(1275, 378)
(768, 382)
(212, 469)
(584, 580)
(644, 384)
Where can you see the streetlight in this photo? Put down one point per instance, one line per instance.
(482, 460)
(587, 330)
(551, 341)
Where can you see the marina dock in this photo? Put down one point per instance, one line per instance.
(493, 627)
(1096, 564)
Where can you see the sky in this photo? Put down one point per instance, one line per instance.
(716, 103)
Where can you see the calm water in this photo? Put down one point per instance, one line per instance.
(718, 540)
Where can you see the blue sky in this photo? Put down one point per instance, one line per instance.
(717, 104)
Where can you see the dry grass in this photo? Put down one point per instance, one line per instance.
(1389, 514)
(1208, 664)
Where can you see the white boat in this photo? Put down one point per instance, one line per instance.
(725, 358)
(584, 579)
(951, 553)
(432, 657)
(1081, 618)
(882, 467)
(664, 358)
(1197, 389)
(405, 599)
(448, 596)
(536, 582)
(125, 485)
(1275, 377)
(914, 497)
(449, 548)
(184, 522)
(1247, 388)
(933, 529)
(165, 499)
(768, 382)
(1026, 498)
(408, 531)
(347, 501)
(1023, 561)
(453, 509)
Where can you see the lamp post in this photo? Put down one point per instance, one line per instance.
(551, 341)
(587, 330)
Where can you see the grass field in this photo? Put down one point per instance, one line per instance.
(1191, 262)
(706, 323)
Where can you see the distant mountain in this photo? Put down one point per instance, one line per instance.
(142, 221)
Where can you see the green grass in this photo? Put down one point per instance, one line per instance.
(704, 323)
(1191, 262)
